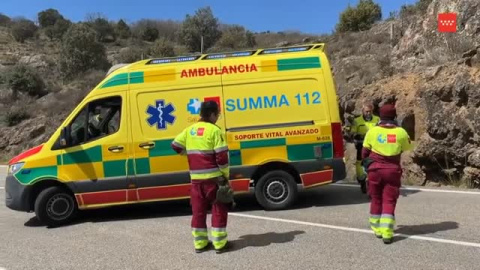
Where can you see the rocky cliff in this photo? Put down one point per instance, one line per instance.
(434, 80)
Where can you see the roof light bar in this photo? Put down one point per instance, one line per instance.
(228, 55)
(283, 50)
(173, 60)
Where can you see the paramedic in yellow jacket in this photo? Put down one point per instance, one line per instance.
(207, 152)
(360, 127)
(382, 150)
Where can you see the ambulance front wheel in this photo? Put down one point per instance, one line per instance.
(55, 206)
(276, 190)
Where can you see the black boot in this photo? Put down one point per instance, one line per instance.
(363, 186)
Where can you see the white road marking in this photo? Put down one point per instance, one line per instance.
(350, 229)
(418, 189)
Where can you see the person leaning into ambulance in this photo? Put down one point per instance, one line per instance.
(361, 125)
(207, 153)
(382, 148)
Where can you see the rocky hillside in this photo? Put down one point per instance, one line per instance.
(434, 78)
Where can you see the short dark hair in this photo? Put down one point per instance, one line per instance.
(209, 107)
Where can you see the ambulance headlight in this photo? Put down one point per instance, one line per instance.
(13, 169)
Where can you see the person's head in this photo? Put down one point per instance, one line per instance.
(367, 111)
(388, 112)
(209, 111)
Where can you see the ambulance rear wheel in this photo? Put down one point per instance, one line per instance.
(276, 190)
(55, 206)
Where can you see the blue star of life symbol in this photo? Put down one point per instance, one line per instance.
(194, 106)
(381, 139)
(161, 114)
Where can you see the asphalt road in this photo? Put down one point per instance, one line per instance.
(328, 229)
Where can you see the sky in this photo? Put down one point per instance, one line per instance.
(308, 16)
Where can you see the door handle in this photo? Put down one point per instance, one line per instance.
(147, 145)
(115, 149)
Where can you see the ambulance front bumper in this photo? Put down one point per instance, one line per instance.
(17, 195)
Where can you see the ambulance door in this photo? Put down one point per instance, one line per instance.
(159, 115)
(96, 160)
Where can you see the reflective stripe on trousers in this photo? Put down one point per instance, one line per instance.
(375, 224)
(219, 237)
(200, 237)
(386, 225)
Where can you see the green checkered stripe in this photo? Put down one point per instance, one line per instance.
(111, 168)
(295, 152)
(117, 168)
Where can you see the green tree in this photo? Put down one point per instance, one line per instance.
(81, 51)
(162, 48)
(48, 17)
(23, 29)
(202, 24)
(25, 79)
(122, 30)
(359, 18)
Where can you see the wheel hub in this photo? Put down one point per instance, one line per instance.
(276, 191)
(58, 207)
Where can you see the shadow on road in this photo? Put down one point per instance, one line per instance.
(425, 229)
(326, 196)
(407, 192)
(263, 240)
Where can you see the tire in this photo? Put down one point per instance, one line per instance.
(276, 190)
(55, 206)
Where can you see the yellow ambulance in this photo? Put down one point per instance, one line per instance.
(279, 111)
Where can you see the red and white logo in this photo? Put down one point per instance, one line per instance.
(391, 138)
(216, 99)
(200, 131)
(194, 104)
(447, 22)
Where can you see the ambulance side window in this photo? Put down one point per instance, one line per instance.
(98, 119)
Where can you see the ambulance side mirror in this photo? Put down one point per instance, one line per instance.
(65, 138)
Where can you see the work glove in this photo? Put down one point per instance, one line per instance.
(224, 192)
(366, 162)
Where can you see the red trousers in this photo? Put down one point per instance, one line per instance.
(202, 196)
(384, 190)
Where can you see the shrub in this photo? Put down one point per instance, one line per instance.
(81, 52)
(25, 79)
(150, 33)
(57, 30)
(15, 116)
(130, 55)
(4, 20)
(236, 37)
(161, 48)
(202, 24)
(23, 29)
(104, 30)
(359, 18)
(419, 8)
